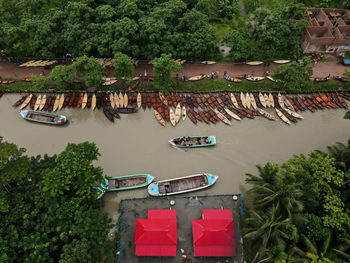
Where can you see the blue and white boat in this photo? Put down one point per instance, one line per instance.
(182, 184)
(43, 117)
(126, 182)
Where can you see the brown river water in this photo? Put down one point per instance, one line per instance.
(139, 144)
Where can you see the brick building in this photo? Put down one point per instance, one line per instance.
(328, 30)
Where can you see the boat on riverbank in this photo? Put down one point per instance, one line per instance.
(127, 110)
(193, 141)
(43, 117)
(182, 185)
(126, 182)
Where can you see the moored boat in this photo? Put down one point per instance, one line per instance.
(178, 113)
(172, 117)
(108, 114)
(232, 114)
(127, 110)
(184, 114)
(254, 63)
(266, 115)
(282, 61)
(255, 78)
(193, 141)
(43, 117)
(282, 117)
(182, 184)
(98, 191)
(26, 101)
(233, 99)
(139, 100)
(126, 182)
(262, 100)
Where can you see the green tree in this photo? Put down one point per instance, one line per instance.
(293, 76)
(163, 67)
(62, 75)
(90, 69)
(123, 67)
(240, 43)
(13, 168)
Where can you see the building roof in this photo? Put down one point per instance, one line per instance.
(157, 235)
(214, 235)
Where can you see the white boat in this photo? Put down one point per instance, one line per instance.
(267, 101)
(182, 185)
(232, 114)
(255, 78)
(178, 113)
(254, 63)
(272, 102)
(247, 100)
(184, 113)
(252, 101)
(294, 114)
(243, 100)
(281, 61)
(262, 100)
(222, 117)
(266, 114)
(280, 100)
(282, 117)
(234, 100)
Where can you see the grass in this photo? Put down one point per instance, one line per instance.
(205, 85)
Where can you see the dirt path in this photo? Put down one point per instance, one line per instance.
(12, 71)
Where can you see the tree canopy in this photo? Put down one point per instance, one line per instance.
(123, 66)
(62, 75)
(90, 69)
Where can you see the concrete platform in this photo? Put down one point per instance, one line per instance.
(187, 208)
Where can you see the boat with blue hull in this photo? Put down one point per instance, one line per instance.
(43, 117)
(182, 184)
(126, 182)
(193, 141)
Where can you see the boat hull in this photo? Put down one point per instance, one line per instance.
(154, 188)
(145, 178)
(43, 117)
(211, 139)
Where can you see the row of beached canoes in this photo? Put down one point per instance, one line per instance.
(173, 186)
(208, 108)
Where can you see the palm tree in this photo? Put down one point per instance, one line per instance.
(269, 228)
(272, 187)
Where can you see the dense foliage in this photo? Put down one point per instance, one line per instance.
(90, 69)
(302, 209)
(123, 67)
(138, 28)
(163, 67)
(48, 213)
(62, 75)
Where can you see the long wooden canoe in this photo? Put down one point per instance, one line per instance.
(234, 100)
(280, 100)
(42, 102)
(252, 101)
(85, 98)
(184, 113)
(121, 100)
(247, 100)
(61, 101)
(232, 114)
(243, 100)
(262, 100)
(159, 118)
(126, 100)
(116, 100)
(208, 62)
(93, 101)
(198, 77)
(267, 101)
(293, 113)
(271, 100)
(255, 78)
(193, 141)
(254, 63)
(182, 185)
(282, 117)
(56, 104)
(172, 117)
(266, 114)
(139, 100)
(222, 117)
(126, 182)
(111, 99)
(178, 113)
(37, 102)
(162, 98)
(282, 61)
(26, 101)
(43, 117)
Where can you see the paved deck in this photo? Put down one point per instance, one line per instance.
(187, 208)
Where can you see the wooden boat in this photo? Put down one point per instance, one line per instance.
(20, 101)
(121, 100)
(247, 100)
(222, 117)
(139, 100)
(85, 99)
(108, 114)
(42, 102)
(293, 113)
(208, 62)
(43, 117)
(233, 79)
(327, 100)
(282, 117)
(182, 184)
(271, 100)
(266, 115)
(254, 63)
(178, 113)
(37, 102)
(271, 78)
(252, 101)
(193, 141)
(288, 104)
(162, 98)
(159, 118)
(233, 99)
(126, 182)
(172, 117)
(242, 97)
(282, 61)
(111, 99)
(116, 100)
(232, 114)
(56, 104)
(126, 100)
(93, 101)
(127, 110)
(114, 112)
(262, 99)
(198, 77)
(33, 100)
(192, 118)
(98, 191)
(280, 100)
(184, 114)
(267, 101)
(26, 101)
(255, 78)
